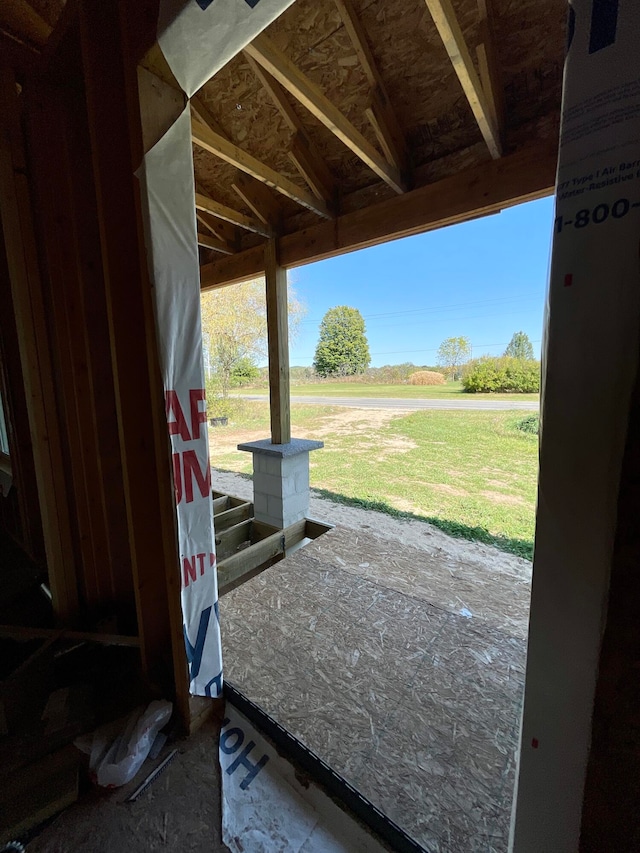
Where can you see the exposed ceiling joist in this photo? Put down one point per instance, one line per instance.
(253, 189)
(380, 112)
(481, 190)
(277, 94)
(258, 199)
(387, 130)
(314, 170)
(310, 96)
(215, 208)
(447, 25)
(279, 98)
(201, 113)
(222, 231)
(209, 242)
(230, 153)
(219, 228)
(489, 67)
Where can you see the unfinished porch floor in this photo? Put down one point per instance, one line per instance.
(400, 666)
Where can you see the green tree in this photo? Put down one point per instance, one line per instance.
(342, 349)
(234, 332)
(520, 347)
(452, 354)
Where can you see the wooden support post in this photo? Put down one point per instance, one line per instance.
(113, 106)
(278, 337)
(35, 357)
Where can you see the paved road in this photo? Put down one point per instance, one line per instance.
(411, 405)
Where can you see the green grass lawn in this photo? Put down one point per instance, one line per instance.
(470, 473)
(449, 391)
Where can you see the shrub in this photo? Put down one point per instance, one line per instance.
(504, 375)
(530, 424)
(426, 377)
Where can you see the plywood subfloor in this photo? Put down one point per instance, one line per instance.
(401, 667)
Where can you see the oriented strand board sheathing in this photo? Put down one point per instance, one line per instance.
(402, 668)
(441, 132)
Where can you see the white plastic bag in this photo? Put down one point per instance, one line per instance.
(117, 750)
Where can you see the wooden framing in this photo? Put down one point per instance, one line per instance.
(279, 98)
(348, 76)
(234, 217)
(21, 250)
(113, 105)
(268, 545)
(220, 228)
(210, 242)
(17, 632)
(232, 516)
(204, 137)
(444, 17)
(259, 200)
(479, 191)
(313, 170)
(489, 68)
(380, 112)
(264, 52)
(278, 343)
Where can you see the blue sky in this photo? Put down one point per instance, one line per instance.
(484, 279)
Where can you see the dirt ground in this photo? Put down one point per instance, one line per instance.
(418, 534)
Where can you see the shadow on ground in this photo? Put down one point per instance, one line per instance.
(519, 547)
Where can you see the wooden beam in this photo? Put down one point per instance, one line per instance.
(18, 632)
(380, 112)
(16, 219)
(278, 343)
(253, 192)
(279, 97)
(200, 112)
(224, 231)
(277, 94)
(232, 516)
(481, 190)
(447, 25)
(220, 504)
(113, 109)
(230, 153)
(229, 540)
(215, 208)
(313, 170)
(489, 67)
(387, 130)
(208, 242)
(258, 199)
(310, 96)
(246, 564)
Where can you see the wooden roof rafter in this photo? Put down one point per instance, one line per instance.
(489, 68)
(219, 145)
(303, 153)
(235, 217)
(273, 60)
(446, 21)
(487, 188)
(220, 228)
(253, 193)
(258, 199)
(208, 241)
(379, 111)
